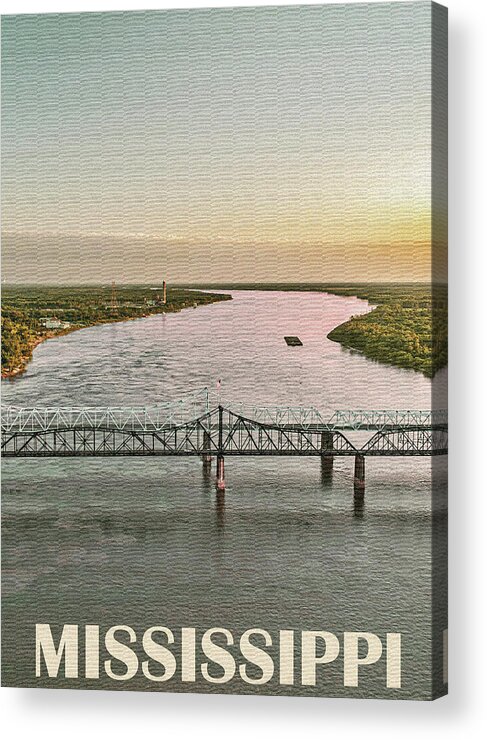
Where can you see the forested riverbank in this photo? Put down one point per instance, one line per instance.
(407, 328)
(31, 314)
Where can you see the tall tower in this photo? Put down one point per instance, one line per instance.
(164, 292)
(114, 304)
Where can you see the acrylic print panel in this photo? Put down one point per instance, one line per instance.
(224, 426)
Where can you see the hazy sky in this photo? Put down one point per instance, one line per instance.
(266, 144)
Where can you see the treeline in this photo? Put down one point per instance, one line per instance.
(408, 327)
(19, 337)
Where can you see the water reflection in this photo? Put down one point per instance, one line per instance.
(220, 508)
(358, 502)
(327, 472)
(207, 474)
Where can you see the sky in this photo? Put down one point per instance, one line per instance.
(252, 144)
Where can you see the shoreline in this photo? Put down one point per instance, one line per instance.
(398, 330)
(9, 374)
(405, 328)
(18, 370)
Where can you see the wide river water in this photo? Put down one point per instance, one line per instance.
(147, 542)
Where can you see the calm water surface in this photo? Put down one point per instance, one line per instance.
(147, 541)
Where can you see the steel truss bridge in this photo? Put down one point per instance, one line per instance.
(201, 426)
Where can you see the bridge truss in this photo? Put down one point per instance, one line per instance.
(220, 431)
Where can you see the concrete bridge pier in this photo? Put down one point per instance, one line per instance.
(359, 475)
(220, 473)
(327, 444)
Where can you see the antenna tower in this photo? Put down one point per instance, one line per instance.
(114, 303)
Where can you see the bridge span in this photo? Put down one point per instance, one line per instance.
(191, 429)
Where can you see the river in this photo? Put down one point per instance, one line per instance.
(146, 541)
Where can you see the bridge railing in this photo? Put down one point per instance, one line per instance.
(95, 418)
(303, 416)
(357, 419)
(363, 419)
(197, 403)
(172, 413)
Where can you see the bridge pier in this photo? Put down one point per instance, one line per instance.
(206, 456)
(359, 475)
(327, 460)
(220, 473)
(326, 445)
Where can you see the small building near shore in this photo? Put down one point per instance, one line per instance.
(54, 323)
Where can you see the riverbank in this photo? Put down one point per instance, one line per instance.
(27, 309)
(407, 326)
(26, 353)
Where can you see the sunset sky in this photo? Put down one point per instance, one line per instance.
(268, 144)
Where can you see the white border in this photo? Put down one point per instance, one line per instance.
(49, 714)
